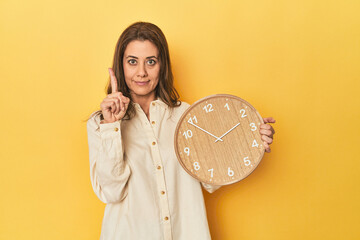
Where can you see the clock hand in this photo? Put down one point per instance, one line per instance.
(217, 139)
(227, 132)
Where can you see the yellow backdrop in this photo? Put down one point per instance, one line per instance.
(297, 61)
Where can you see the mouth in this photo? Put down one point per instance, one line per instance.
(142, 83)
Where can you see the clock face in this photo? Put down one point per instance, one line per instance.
(217, 139)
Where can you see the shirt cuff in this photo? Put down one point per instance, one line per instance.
(110, 130)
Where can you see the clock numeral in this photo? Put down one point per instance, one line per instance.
(196, 166)
(211, 170)
(247, 161)
(227, 106)
(187, 151)
(230, 172)
(208, 108)
(191, 119)
(255, 144)
(253, 126)
(242, 111)
(188, 134)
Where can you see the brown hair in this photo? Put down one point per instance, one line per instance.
(165, 89)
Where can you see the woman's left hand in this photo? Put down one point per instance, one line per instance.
(267, 132)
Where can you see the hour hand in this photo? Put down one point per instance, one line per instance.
(217, 139)
(227, 132)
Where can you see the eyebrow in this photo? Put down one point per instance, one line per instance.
(130, 56)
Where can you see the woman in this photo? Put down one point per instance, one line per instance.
(133, 166)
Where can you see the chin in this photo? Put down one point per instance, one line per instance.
(143, 93)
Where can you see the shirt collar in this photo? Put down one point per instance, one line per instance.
(157, 101)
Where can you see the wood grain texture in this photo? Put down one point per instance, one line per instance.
(219, 161)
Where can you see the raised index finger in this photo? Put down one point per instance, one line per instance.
(113, 81)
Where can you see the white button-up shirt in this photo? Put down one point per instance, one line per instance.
(134, 170)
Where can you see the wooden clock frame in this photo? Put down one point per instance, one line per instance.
(211, 156)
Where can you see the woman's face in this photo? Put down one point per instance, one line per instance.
(141, 69)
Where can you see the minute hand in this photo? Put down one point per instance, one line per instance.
(217, 139)
(227, 132)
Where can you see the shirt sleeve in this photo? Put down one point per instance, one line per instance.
(109, 173)
(210, 188)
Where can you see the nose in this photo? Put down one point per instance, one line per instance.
(141, 71)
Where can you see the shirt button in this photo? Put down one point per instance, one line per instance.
(153, 122)
(116, 129)
(159, 167)
(153, 104)
(153, 143)
(166, 218)
(162, 192)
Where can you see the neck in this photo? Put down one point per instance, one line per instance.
(144, 102)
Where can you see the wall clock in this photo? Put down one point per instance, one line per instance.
(217, 139)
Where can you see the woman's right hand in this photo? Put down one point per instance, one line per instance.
(114, 106)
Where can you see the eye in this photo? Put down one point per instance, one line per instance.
(151, 62)
(132, 61)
